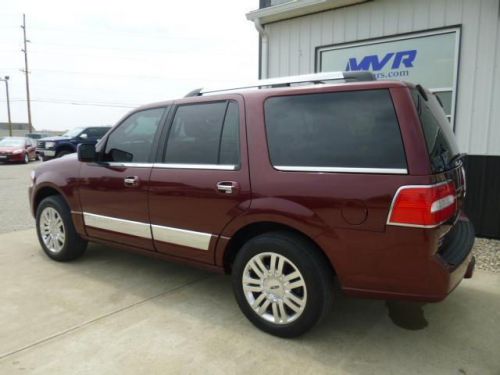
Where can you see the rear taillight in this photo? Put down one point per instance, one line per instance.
(423, 206)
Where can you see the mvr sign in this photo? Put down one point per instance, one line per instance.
(376, 63)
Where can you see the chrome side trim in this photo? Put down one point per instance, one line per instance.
(341, 169)
(183, 237)
(76, 212)
(219, 167)
(129, 165)
(133, 228)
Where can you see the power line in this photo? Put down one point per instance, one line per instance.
(77, 102)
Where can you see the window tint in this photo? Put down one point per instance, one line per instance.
(95, 132)
(357, 129)
(132, 141)
(206, 133)
(438, 134)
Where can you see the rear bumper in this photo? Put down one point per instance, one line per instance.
(412, 267)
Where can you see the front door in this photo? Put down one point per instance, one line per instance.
(202, 179)
(114, 191)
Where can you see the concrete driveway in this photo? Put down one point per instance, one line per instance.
(117, 313)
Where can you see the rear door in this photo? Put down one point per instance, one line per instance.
(201, 181)
(113, 192)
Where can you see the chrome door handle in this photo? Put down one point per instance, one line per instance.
(227, 187)
(131, 181)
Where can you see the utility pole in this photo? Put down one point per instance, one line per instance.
(26, 72)
(6, 80)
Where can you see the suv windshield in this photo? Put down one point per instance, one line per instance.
(73, 132)
(438, 134)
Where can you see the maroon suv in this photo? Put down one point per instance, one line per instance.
(286, 185)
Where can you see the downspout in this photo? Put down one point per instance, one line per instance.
(265, 48)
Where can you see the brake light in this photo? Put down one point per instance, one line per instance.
(423, 206)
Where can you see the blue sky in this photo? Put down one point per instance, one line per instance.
(117, 55)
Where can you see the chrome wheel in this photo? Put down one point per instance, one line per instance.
(26, 158)
(52, 229)
(274, 288)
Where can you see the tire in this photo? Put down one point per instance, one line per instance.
(60, 154)
(290, 302)
(53, 218)
(26, 159)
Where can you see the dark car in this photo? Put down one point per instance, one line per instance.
(284, 187)
(17, 149)
(55, 147)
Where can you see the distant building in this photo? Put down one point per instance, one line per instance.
(19, 129)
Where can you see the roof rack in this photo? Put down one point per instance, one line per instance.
(316, 78)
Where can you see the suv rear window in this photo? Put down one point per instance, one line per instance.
(355, 129)
(438, 134)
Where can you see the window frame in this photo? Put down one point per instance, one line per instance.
(162, 149)
(322, 169)
(151, 158)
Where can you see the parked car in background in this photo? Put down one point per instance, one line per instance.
(55, 147)
(37, 135)
(17, 149)
(285, 188)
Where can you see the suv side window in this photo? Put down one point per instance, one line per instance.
(355, 129)
(132, 141)
(205, 133)
(95, 132)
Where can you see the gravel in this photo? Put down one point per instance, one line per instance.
(487, 254)
(14, 205)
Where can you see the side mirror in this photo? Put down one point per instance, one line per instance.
(83, 136)
(86, 153)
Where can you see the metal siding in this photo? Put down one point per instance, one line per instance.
(478, 98)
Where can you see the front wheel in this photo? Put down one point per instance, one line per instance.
(56, 232)
(282, 284)
(26, 158)
(62, 153)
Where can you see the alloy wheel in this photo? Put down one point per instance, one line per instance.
(274, 288)
(52, 229)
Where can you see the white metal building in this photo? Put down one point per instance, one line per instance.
(449, 46)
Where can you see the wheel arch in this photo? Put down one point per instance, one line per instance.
(249, 231)
(65, 147)
(44, 192)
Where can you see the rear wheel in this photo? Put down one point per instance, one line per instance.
(282, 284)
(56, 232)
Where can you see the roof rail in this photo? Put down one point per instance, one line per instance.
(315, 78)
